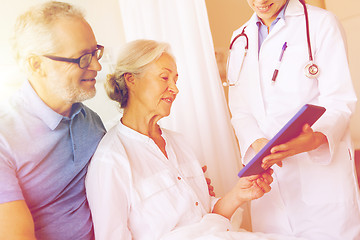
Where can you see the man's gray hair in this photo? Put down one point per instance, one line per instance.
(33, 33)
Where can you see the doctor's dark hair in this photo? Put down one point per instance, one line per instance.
(33, 31)
(133, 58)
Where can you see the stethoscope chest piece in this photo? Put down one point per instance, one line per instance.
(311, 70)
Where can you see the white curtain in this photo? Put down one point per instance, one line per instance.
(200, 111)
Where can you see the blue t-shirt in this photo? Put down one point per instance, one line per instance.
(43, 160)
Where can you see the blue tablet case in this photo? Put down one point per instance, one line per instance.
(307, 114)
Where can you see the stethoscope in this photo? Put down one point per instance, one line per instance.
(311, 70)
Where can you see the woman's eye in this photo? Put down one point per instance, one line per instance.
(165, 78)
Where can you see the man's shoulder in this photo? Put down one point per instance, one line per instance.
(5, 111)
(10, 114)
(92, 117)
(89, 111)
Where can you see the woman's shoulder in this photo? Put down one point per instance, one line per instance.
(180, 143)
(173, 135)
(171, 132)
(110, 148)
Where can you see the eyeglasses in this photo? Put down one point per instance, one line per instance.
(83, 61)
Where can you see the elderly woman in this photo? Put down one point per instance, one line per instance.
(144, 182)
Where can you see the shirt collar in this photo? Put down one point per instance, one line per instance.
(76, 109)
(38, 108)
(134, 134)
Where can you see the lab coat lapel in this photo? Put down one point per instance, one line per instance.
(294, 8)
(253, 54)
(278, 26)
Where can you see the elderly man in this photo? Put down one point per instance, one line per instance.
(47, 136)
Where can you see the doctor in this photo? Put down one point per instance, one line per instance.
(315, 193)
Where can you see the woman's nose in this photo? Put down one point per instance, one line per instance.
(173, 88)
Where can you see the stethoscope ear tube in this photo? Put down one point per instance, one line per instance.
(311, 69)
(242, 34)
(228, 83)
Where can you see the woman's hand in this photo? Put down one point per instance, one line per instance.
(253, 187)
(307, 140)
(208, 181)
(246, 189)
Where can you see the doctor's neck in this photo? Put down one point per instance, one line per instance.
(267, 12)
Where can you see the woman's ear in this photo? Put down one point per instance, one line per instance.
(129, 79)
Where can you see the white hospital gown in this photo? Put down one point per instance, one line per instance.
(135, 192)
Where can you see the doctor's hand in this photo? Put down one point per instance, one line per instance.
(307, 140)
(258, 144)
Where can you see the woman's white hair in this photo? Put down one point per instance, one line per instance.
(133, 58)
(33, 33)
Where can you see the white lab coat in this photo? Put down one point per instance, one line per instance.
(315, 194)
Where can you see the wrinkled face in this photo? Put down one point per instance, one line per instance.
(67, 82)
(155, 88)
(267, 10)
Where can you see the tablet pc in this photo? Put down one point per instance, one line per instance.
(307, 114)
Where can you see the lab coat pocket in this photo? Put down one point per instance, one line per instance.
(325, 184)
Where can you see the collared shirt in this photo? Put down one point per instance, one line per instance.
(135, 192)
(43, 160)
(263, 29)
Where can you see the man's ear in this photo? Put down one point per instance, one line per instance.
(35, 65)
